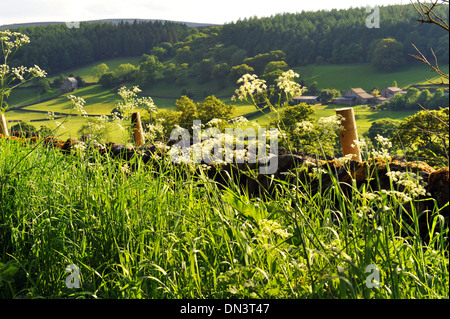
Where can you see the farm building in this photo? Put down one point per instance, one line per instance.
(362, 97)
(355, 96)
(305, 99)
(380, 99)
(70, 84)
(346, 100)
(390, 91)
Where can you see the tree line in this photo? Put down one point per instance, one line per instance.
(56, 48)
(334, 36)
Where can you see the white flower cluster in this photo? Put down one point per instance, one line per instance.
(22, 73)
(286, 83)
(51, 117)
(4, 69)
(413, 183)
(343, 160)
(399, 196)
(250, 85)
(12, 40)
(215, 122)
(330, 124)
(97, 126)
(268, 227)
(304, 127)
(385, 144)
(78, 104)
(131, 101)
(154, 131)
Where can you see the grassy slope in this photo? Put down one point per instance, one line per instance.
(101, 101)
(344, 77)
(86, 71)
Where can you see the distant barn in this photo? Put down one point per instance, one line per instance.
(70, 84)
(355, 96)
(390, 91)
(311, 100)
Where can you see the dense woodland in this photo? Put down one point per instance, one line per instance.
(336, 36)
(57, 48)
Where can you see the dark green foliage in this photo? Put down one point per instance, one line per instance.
(56, 48)
(23, 127)
(336, 36)
(425, 134)
(385, 127)
(413, 99)
(329, 94)
(109, 80)
(388, 55)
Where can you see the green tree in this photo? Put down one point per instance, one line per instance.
(159, 52)
(220, 73)
(169, 72)
(410, 98)
(169, 119)
(275, 66)
(237, 71)
(42, 84)
(127, 72)
(424, 98)
(182, 74)
(425, 134)
(313, 88)
(109, 80)
(295, 114)
(99, 70)
(388, 55)
(386, 127)
(213, 108)
(149, 68)
(188, 111)
(23, 127)
(329, 94)
(439, 100)
(184, 55)
(204, 69)
(291, 115)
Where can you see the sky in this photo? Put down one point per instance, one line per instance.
(201, 11)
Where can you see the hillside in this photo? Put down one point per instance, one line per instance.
(113, 21)
(167, 59)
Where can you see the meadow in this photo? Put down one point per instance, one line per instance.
(365, 76)
(100, 101)
(160, 230)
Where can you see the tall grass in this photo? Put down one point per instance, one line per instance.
(161, 231)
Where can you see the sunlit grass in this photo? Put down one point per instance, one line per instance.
(160, 231)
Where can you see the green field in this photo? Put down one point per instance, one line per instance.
(101, 101)
(86, 71)
(344, 77)
(167, 231)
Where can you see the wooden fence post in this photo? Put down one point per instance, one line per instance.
(3, 127)
(349, 133)
(137, 129)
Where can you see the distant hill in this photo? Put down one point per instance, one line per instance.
(113, 21)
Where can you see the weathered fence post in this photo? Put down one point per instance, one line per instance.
(3, 127)
(349, 133)
(137, 129)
